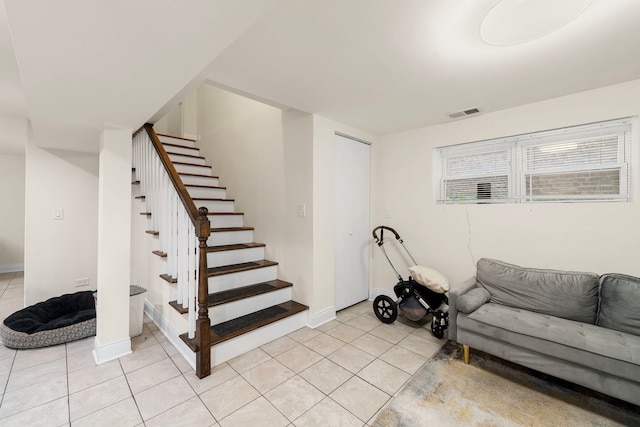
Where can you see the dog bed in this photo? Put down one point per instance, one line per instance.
(55, 321)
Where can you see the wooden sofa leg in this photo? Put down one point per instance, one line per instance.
(465, 348)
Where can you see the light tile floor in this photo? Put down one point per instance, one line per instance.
(341, 373)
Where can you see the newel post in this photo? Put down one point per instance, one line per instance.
(203, 323)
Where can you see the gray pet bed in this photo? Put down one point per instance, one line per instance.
(55, 321)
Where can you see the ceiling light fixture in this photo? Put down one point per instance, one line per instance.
(513, 22)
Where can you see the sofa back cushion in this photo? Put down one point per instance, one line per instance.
(566, 294)
(620, 303)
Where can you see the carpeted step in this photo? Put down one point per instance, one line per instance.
(236, 294)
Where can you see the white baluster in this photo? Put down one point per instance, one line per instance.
(173, 223)
(184, 254)
(171, 219)
(192, 284)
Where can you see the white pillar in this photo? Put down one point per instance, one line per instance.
(114, 245)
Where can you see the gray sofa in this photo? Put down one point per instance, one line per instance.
(580, 327)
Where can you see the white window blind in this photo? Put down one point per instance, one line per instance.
(580, 163)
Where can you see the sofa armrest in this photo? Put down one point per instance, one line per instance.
(454, 293)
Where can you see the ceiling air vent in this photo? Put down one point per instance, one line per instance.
(464, 113)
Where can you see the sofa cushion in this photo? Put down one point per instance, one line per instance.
(620, 303)
(472, 300)
(567, 294)
(616, 353)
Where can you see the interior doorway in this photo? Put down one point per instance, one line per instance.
(351, 227)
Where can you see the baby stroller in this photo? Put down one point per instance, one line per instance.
(417, 297)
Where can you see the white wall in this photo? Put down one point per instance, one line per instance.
(57, 252)
(297, 243)
(181, 120)
(272, 161)
(598, 237)
(12, 178)
(264, 157)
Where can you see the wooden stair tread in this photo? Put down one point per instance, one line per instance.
(236, 294)
(241, 325)
(135, 182)
(175, 137)
(235, 247)
(236, 327)
(152, 232)
(218, 200)
(236, 268)
(145, 213)
(198, 174)
(188, 155)
(160, 254)
(168, 278)
(180, 146)
(225, 213)
(140, 197)
(223, 229)
(191, 164)
(205, 186)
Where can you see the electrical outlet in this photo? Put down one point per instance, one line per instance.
(302, 209)
(84, 281)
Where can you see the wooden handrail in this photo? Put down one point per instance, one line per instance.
(199, 218)
(192, 210)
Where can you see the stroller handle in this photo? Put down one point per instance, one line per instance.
(380, 240)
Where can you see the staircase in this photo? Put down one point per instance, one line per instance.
(248, 305)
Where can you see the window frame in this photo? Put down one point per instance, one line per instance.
(516, 146)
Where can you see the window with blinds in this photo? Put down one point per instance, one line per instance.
(580, 163)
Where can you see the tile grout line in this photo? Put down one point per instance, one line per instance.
(180, 374)
(133, 396)
(4, 390)
(66, 365)
(345, 321)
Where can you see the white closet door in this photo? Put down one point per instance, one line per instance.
(352, 231)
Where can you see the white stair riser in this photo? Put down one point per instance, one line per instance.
(207, 193)
(236, 256)
(176, 141)
(223, 221)
(199, 180)
(170, 149)
(187, 159)
(198, 170)
(225, 282)
(230, 238)
(215, 205)
(235, 309)
(236, 346)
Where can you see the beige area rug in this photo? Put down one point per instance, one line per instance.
(493, 392)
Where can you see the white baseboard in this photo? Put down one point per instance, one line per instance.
(108, 352)
(11, 268)
(316, 319)
(172, 334)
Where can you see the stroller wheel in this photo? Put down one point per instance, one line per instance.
(385, 309)
(436, 328)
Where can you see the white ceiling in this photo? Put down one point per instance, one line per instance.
(379, 65)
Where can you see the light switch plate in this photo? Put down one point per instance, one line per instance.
(58, 213)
